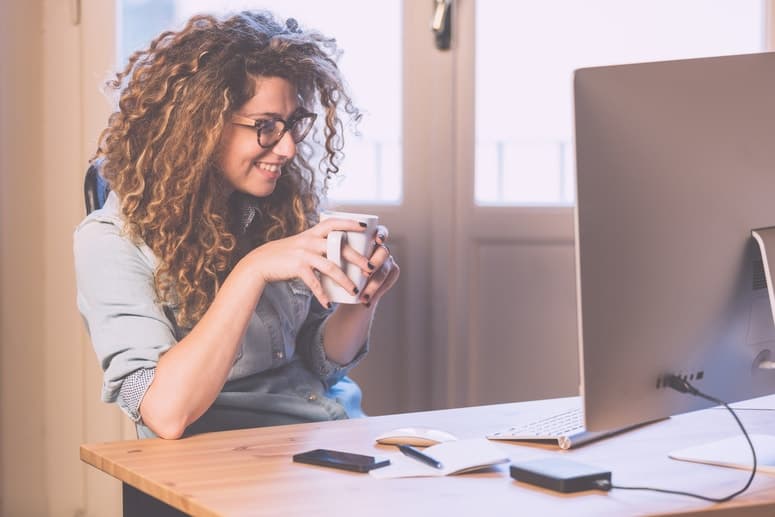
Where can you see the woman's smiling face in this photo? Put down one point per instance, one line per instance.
(247, 166)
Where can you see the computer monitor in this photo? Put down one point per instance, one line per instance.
(675, 167)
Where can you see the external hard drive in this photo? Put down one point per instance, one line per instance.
(561, 475)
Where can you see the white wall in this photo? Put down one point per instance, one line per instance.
(44, 359)
(22, 277)
(61, 196)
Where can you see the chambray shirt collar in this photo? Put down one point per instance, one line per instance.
(246, 207)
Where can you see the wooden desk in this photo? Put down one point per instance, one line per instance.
(249, 472)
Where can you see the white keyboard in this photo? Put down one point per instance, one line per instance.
(567, 428)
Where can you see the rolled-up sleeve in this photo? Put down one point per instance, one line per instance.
(310, 346)
(128, 328)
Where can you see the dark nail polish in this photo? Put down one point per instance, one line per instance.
(368, 304)
(371, 266)
(329, 305)
(363, 225)
(366, 297)
(355, 290)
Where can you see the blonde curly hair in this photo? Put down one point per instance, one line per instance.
(159, 151)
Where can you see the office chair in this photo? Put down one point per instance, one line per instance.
(95, 188)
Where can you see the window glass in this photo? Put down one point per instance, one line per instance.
(370, 35)
(526, 52)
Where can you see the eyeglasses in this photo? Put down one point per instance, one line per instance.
(271, 130)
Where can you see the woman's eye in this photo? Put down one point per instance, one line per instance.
(267, 126)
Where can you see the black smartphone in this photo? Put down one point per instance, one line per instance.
(341, 460)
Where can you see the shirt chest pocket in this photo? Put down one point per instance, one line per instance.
(269, 339)
(255, 350)
(301, 295)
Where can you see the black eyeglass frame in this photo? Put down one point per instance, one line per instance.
(297, 116)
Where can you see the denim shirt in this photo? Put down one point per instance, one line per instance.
(280, 373)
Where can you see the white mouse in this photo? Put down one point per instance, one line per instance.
(419, 436)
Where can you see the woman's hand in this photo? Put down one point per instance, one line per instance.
(300, 255)
(348, 328)
(385, 270)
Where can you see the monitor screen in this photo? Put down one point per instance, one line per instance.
(675, 167)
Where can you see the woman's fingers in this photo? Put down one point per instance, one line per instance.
(323, 228)
(328, 268)
(390, 279)
(382, 280)
(379, 256)
(382, 234)
(349, 254)
(313, 282)
(385, 269)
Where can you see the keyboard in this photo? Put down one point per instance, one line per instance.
(566, 428)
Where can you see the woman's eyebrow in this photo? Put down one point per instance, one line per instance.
(265, 114)
(270, 114)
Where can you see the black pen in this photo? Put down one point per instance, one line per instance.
(421, 456)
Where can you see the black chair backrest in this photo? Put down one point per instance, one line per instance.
(95, 188)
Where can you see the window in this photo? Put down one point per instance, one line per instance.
(526, 52)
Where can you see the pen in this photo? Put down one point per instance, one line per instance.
(421, 456)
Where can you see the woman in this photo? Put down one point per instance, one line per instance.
(199, 279)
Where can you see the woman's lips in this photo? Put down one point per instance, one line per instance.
(269, 170)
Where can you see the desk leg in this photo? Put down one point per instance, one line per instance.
(140, 504)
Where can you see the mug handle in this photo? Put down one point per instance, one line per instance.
(334, 243)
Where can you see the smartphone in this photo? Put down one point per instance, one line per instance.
(341, 460)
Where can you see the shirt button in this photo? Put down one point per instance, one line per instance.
(278, 355)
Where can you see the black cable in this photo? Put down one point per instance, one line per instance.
(682, 385)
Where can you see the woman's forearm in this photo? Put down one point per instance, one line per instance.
(191, 374)
(346, 331)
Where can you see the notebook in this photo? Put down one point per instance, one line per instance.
(456, 457)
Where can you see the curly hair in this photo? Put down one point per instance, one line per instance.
(160, 147)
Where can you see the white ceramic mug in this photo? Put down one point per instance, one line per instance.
(362, 242)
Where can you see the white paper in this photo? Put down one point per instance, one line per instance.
(456, 457)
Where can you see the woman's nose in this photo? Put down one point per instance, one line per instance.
(285, 146)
